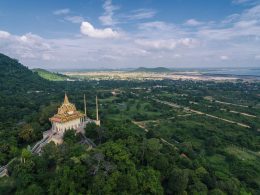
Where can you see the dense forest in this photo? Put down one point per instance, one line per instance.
(127, 160)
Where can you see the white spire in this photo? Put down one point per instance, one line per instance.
(97, 121)
(97, 108)
(85, 106)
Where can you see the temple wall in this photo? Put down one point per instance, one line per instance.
(73, 124)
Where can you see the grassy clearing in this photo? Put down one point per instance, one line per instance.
(240, 153)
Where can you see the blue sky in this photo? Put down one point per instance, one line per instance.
(123, 33)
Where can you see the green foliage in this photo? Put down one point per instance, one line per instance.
(178, 181)
(96, 133)
(27, 134)
(50, 75)
(149, 181)
(7, 185)
(70, 137)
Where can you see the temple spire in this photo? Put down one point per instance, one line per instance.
(85, 106)
(66, 99)
(97, 121)
(97, 108)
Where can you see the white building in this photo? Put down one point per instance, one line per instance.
(68, 118)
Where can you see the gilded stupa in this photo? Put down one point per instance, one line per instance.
(67, 112)
(68, 117)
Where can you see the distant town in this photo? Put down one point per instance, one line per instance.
(160, 74)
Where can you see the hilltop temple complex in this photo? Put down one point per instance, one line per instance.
(68, 117)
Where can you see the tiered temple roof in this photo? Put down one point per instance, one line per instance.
(66, 112)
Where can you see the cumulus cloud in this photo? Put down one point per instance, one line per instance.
(193, 22)
(89, 30)
(29, 46)
(4, 34)
(61, 11)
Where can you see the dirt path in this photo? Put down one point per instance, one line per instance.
(242, 113)
(146, 130)
(201, 113)
(227, 103)
(209, 98)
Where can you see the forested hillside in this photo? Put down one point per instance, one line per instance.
(16, 77)
(26, 103)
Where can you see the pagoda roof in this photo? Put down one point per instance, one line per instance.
(66, 112)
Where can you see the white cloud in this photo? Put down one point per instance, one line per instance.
(107, 18)
(240, 1)
(27, 46)
(161, 29)
(257, 57)
(188, 42)
(4, 34)
(252, 13)
(74, 19)
(244, 25)
(193, 22)
(141, 14)
(235, 40)
(155, 25)
(157, 44)
(166, 44)
(224, 57)
(89, 30)
(61, 11)
(250, 2)
(110, 18)
(177, 56)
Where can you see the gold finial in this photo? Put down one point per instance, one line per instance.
(66, 99)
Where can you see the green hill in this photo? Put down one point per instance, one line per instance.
(16, 77)
(156, 69)
(18, 86)
(50, 75)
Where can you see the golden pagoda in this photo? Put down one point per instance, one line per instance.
(67, 117)
(66, 112)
